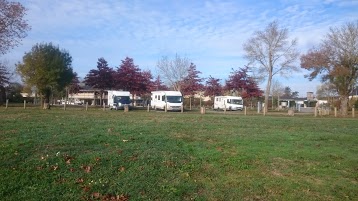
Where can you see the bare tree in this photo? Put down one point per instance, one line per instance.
(277, 90)
(13, 26)
(270, 53)
(173, 71)
(4, 80)
(336, 60)
(327, 91)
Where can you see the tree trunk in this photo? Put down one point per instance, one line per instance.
(190, 102)
(46, 104)
(2, 95)
(267, 92)
(344, 105)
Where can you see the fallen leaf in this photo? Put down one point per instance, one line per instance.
(79, 181)
(96, 195)
(68, 159)
(86, 188)
(122, 169)
(88, 169)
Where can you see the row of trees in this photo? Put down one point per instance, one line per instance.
(129, 77)
(334, 61)
(269, 53)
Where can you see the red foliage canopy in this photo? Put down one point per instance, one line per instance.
(240, 81)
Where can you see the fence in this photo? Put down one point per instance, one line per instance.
(317, 112)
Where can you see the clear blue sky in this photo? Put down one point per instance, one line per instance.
(210, 33)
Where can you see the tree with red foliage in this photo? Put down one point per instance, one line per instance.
(241, 82)
(158, 85)
(130, 78)
(192, 82)
(74, 86)
(147, 83)
(101, 78)
(213, 87)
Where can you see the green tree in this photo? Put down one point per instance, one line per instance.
(47, 68)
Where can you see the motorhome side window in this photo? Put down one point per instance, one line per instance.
(228, 100)
(163, 98)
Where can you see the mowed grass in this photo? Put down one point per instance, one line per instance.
(104, 155)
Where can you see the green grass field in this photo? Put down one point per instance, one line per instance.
(104, 155)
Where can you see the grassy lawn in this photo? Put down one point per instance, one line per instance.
(104, 155)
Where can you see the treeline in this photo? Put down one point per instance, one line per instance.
(47, 69)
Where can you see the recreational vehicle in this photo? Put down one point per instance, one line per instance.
(171, 100)
(118, 99)
(228, 103)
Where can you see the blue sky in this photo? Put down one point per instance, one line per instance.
(210, 33)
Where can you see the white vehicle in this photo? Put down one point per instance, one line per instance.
(118, 99)
(228, 102)
(172, 100)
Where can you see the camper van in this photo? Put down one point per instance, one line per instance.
(172, 100)
(228, 102)
(118, 99)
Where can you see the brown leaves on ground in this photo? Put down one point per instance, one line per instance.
(54, 167)
(86, 168)
(68, 159)
(79, 180)
(108, 197)
(122, 169)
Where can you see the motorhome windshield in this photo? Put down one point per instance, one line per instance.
(174, 99)
(236, 101)
(121, 99)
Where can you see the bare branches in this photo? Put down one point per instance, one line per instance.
(173, 71)
(13, 26)
(269, 52)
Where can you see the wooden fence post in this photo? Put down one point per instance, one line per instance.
(353, 112)
(86, 106)
(24, 104)
(64, 106)
(126, 108)
(182, 108)
(148, 109)
(335, 112)
(245, 111)
(7, 103)
(315, 111)
(104, 106)
(202, 110)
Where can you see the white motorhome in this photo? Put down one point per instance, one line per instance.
(228, 102)
(118, 99)
(172, 100)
